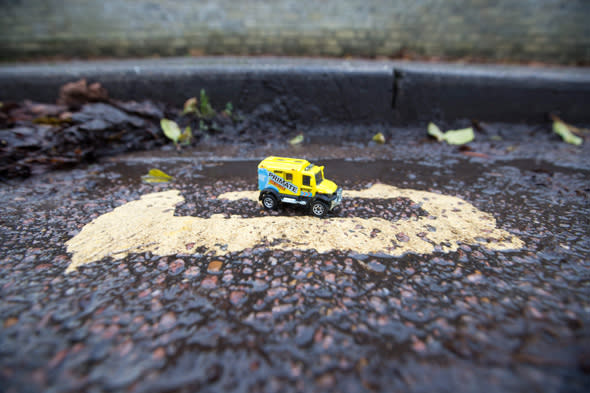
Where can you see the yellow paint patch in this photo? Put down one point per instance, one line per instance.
(149, 224)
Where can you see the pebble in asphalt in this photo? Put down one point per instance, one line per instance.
(268, 320)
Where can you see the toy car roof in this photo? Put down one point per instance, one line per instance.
(285, 164)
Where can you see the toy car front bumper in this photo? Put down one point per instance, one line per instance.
(338, 200)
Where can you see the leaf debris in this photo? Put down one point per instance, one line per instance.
(190, 106)
(566, 132)
(297, 140)
(173, 132)
(155, 175)
(379, 138)
(452, 137)
(171, 129)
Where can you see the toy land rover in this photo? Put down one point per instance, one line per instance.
(296, 181)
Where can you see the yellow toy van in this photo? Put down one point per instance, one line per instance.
(296, 181)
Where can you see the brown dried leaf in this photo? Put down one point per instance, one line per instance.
(76, 94)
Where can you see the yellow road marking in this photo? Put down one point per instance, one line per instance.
(149, 224)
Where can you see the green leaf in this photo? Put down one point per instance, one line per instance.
(186, 136)
(452, 137)
(379, 138)
(561, 129)
(156, 176)
(297, 140)
(459, 137)
(434, 131)
(171, 129)
(229, 108)
(206, 109)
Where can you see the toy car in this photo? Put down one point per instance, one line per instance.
(296, 181)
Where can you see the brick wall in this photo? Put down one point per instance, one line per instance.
(556, 31)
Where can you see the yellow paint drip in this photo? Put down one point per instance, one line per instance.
(149, 224)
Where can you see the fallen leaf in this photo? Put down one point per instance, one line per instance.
(156, 176)
(434, 131)
(171, 129)
(143, 108)
(459, 137)
(190, 106)
(574, 129)
(452, 137)
(50, 120)
(297, 140)
(379, 138)
(76, 94)
(561, 129)
(186, 136)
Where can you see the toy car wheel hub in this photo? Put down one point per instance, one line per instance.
(318, 209)
(268, 202)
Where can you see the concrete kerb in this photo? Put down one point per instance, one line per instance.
(507, 94)
(327, 90)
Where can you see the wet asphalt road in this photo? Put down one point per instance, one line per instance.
(261, 320)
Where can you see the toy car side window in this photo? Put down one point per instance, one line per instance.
(318, 178)
(306, 180)
(289, 176)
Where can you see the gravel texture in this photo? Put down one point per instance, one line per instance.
(262, 320)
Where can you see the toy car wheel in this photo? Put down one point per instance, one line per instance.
(269, 202)
(319, 209)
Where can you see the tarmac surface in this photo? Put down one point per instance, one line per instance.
(267, 319)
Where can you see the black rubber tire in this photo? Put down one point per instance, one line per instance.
(318, 208)
(269, 202)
